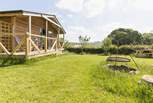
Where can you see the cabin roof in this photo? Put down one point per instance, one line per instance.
(29, 13)
(24, 11)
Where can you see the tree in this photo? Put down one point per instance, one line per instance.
(84, 41)
(148, 38)
(124, 36)
(107, 42)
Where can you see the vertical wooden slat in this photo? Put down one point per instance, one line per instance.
(46, 46)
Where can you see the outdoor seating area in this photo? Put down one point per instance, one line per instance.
(144, 53)
(30, 34)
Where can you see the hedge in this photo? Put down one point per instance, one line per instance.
(111, 50)
(86, 50)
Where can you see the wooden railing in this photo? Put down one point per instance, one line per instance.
(39, 40)
(25, 40)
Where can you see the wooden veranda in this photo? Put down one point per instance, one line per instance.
(29, 34)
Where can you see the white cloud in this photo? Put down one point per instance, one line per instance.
(87, 8)
(115, 4)
(142, 4)
(97, 18)
(70, 5)
(94, 7)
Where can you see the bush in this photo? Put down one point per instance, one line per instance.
(126, 50)
(85, 50)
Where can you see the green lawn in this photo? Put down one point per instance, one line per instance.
(73, 79)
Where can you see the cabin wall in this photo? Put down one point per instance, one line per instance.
(5, 19)
(21, 25)
(38, 25)
(53, 30)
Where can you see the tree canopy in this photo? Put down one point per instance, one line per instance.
(148, 38)
(124, 36)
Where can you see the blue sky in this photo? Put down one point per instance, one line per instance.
(95, 18)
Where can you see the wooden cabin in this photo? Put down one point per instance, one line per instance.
(30, 34)
(144, 53)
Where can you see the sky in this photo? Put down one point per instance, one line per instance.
(94, 18)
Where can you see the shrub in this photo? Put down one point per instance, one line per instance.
(86, 50)
(110, 50)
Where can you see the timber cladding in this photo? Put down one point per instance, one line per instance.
(6, 19)
(38, 26)
(21, 25)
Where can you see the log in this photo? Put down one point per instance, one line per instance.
(148, 79)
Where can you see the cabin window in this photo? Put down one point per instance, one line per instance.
(42, 31)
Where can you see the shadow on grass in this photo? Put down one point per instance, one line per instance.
(9, 61)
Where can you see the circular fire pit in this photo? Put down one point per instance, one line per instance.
(122, 68)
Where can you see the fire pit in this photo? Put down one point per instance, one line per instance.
(122, 68)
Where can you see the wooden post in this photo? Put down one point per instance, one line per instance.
(13, 31)
(28, 37)
(0, 35)
(63, 41)
(46, 46)
(57, 39)
(27, 45)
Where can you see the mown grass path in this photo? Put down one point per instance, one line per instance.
(72, 79)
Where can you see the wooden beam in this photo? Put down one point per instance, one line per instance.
(45, 17)
(46, 46)
(1, 34)
(27, 45)
(32, 42)
(40, 36)
(5, 50)
(54, 45)
(63, 40)
(37, 14)
(28, 37)
(63, 45)
(19, 45)
(57, 44)
(11, 14)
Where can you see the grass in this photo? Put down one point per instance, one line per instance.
(73, 79)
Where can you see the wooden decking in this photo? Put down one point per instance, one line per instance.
(33, 54)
